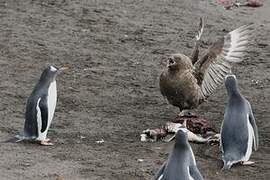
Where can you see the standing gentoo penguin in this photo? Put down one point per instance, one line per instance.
(239, 130)
(186, 82)
(181, 164)
(40, 107)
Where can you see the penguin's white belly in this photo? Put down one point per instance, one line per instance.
(250, 140)
(51, 102)
(52, 98)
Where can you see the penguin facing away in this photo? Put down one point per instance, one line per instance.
(40, 107)
(239, 131)
(181, 164)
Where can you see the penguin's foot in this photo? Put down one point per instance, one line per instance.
(47, 140)
(46, 143)
(247, 163)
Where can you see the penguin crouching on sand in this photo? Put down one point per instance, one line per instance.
(181, 164)
(40, 107)
(239, 130)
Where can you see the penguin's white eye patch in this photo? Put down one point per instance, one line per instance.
(53, 68)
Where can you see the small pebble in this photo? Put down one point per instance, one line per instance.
(100, 142)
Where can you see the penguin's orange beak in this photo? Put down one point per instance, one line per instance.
(66, 67)
(63, 68)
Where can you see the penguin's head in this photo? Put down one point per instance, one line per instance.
(181, 136)
(49, 74)
(231, 83)
(178, 62)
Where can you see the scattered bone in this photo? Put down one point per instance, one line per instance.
(198, 130)
(153, 134)
(100, 141)
(174, 127)
(82, 137)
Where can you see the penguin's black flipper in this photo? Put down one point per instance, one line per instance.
(44, 113)
(195, 173)
(255, 128)
(160, 172)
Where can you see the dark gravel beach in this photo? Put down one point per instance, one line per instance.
(116, 50)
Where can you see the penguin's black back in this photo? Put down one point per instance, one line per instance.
(234, 132)
(40, 92)
(30, 125)
(180, 165)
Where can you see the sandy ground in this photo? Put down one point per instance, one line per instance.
(117, 50)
